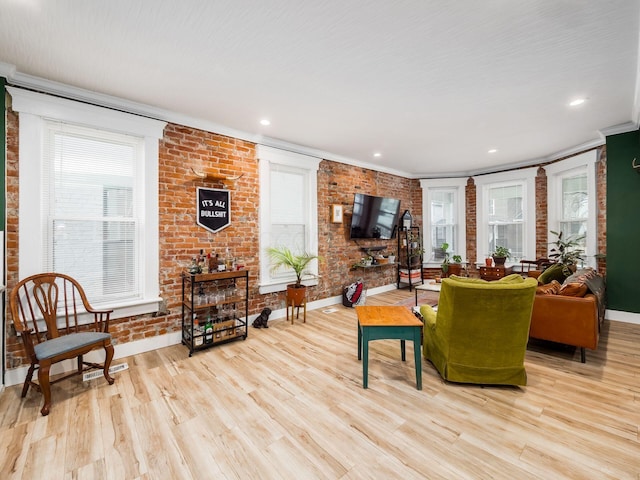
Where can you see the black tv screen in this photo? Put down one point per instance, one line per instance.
(374, 217)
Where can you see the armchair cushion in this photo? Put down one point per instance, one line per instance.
(67, 343)
(480, 331)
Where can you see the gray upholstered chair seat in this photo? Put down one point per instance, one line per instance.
(67, 343)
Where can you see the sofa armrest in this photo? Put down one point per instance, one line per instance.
(568, 320)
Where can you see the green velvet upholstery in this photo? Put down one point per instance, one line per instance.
(480, 331)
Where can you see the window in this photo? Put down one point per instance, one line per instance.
(444, 217)
(288, 211)
(505, 218)
(506, 213)
(572, 200)
(88, 207)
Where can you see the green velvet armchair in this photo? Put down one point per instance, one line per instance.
(480, 331)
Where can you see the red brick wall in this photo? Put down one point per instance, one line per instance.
(180, 150)
(542, 222)
(180, 238)
(601, 202)
(337, 184)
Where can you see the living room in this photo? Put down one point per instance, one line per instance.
(184, 150)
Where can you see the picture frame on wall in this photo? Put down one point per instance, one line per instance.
(336, 213)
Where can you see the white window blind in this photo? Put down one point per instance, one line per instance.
(288, 211)
(506, 217)
(89, 209)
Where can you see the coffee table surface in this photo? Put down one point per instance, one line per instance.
(431, 286)
(386, 316)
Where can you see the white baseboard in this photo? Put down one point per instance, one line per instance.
(626, 317)
(16, 376)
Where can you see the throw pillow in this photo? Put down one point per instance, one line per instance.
(582, 275)
(554, 272)
(573, 289)
(551, 288)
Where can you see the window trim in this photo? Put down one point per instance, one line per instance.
(555, 172)
(309, 166)
(527, 178)
(33, 108)
(459, 185)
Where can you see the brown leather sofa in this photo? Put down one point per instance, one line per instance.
(571, 320)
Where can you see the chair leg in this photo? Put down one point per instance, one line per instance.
(80, 364)
(43, 380)
(583, 356)
(108, 348)
(27, 380)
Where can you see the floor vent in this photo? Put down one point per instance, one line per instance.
(98, 373)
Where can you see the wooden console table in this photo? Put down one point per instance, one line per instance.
(494, 273)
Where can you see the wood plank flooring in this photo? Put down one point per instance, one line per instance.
(288, 403)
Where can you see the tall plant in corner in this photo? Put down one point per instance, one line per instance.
(567, 252)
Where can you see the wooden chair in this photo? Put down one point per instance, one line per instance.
(533, 268)
(56, 322)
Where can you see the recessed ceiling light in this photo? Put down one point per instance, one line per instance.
(577, 101)
(493, 150)
(265, 122)
(377, 154)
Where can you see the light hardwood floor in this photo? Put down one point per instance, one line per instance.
(288, 403)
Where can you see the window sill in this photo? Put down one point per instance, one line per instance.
(133, 308)
(282, 286)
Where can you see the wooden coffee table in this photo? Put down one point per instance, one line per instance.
(429, 286)
(388, 322)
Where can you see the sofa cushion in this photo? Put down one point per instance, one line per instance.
(573, 289)
(553, 272)
(551, 288)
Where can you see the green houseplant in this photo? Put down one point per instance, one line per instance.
(451, 264)
(283, 257)
(567, 252)
(500, 255)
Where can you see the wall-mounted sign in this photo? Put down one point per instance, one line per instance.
(213, 208)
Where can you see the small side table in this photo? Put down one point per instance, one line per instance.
(494, 273)
(388, 322)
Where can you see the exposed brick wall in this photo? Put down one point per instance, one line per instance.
(180, 238)
(601, 202)
(542, 222)
(337, 184)
(471, 218)
(180, 150)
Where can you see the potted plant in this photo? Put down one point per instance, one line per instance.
(567, 252)
(500, 255)
(451, 264)
(415, 251)
(284, 257)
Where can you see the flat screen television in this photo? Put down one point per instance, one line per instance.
(374, 217)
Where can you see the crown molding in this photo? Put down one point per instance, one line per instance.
(621, 128)
(108, 101)
(95, 98)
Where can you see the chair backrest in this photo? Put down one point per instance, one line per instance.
(493, 317)
(48, 305)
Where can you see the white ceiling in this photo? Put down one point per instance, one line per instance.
(432, 85)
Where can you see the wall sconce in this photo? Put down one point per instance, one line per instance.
(635, 166)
